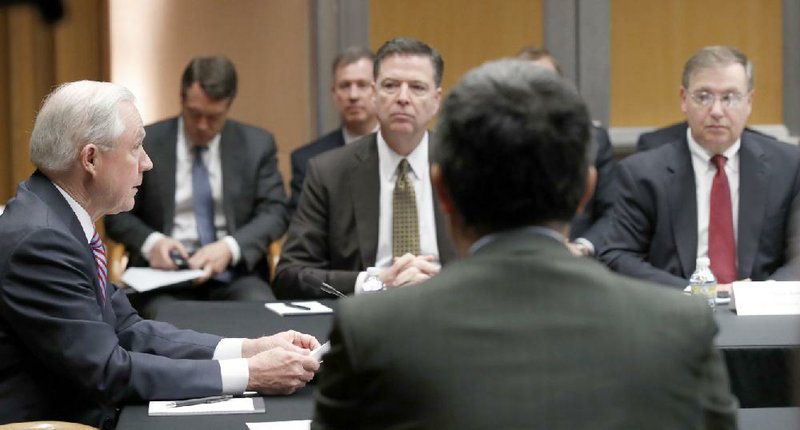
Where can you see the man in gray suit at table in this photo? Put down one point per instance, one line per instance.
(716, 192)
(520, 333)
(370, 203)
(215, 196)
(71, 346)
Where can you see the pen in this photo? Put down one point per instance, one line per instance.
(330, 290)
(292, 305)
(199, 401)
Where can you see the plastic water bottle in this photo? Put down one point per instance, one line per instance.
(373, 281)
(703, 281)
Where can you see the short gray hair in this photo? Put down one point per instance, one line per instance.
(74, 115)
(713, 56)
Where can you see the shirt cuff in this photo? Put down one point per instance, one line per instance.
(236, 252)
(150, 242)
(359, 287)
(585, 242)
(229, 347)
(235, 374)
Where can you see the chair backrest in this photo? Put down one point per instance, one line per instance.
(46, 425)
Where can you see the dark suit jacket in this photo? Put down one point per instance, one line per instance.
(654, 233)
(334, 233)
(301, 155)
(252, 193)
(522, 335)
(595, 219)
(64, 355)
(671, 133)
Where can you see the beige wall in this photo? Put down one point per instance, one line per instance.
(649, 46)
(466, 32)
(268, 41)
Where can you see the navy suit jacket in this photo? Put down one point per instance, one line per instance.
(301, 155)
(334, 233)
(654, 232)
(595, 219)
(253, 198)
(64, 353)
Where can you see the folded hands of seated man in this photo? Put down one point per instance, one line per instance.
(280, 364)
(410, 269)
(213, 258)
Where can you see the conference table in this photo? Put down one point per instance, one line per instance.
(758, 351)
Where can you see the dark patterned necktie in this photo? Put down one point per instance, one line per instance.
(99, 252)
(721, 244)
(405, 228)
(202, 199)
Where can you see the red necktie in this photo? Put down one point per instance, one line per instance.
(721, 245)
(99, 252)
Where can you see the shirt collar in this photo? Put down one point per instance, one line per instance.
(388, 159)
(80, 212)
(532, 229)
(703, 155)
(351, 137)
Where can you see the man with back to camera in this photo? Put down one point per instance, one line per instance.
(588, 227)
(370, 203)
(520, 333)
(71, 346)
(716, 193)
(353, 92)
(215, 196)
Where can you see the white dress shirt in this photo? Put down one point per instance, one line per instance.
(419, 175)
(184, 227)
(233, 368)
(704, 171)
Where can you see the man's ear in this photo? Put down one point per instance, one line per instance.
(439, 187)
(88, 157)
(588, 191)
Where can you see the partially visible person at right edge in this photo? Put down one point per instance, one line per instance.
(519, 333)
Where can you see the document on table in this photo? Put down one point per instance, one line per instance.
(766, 297)
(281, 425)
(236, 405)
(299, 308)
(144, 279)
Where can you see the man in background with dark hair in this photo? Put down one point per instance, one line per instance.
(520, 333)
(215, 195)
(353, 92)
(370, 203)
(588, 227)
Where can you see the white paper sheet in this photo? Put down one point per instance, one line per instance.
(144, 279)
(314, 307)
(281, 425)
(236, 405)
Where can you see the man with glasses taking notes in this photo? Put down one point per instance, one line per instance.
(716, 193)
(370, 203)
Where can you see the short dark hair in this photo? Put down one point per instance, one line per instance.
(533, 53)
(409, 46)
(351, 55)
(511, 144)
(216, 76)
(713, 56)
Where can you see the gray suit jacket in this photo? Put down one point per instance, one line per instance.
(654, 233)
(64, 354)
(521, 335)
(334, 233)
(253, 197)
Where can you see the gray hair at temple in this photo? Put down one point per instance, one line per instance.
(716, 56)
(511, 143)
(73, 115)
(409, 46)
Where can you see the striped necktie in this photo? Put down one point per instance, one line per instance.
(99, 252)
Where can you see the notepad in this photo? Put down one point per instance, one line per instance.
(144, 279)
(236, 405)
(314, 308)
(281, 425)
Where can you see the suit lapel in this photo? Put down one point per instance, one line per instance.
(231, 157)
(444, 242)
(752, 200)
(166, 152)
(365, 187)
(683, 204)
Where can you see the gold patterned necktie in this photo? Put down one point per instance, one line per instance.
(405, 228)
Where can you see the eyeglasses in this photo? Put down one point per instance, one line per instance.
(707, 99)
